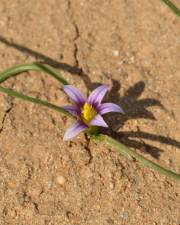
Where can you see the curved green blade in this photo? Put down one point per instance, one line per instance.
(129, 152)
(15, 70)
(34, 100)
(172, 7)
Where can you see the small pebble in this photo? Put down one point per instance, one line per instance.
(116, 53)
(60, 180)
(111, 185)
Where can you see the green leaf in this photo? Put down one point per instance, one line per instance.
(32, 67)
(15, 70)
(34, 100)
(129, 152)
(172, 7)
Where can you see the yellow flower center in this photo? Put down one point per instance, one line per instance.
(87, 113)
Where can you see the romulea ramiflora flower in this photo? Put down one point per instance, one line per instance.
(88, 111)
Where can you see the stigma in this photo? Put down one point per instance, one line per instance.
(87, 113)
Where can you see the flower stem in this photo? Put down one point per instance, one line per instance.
(129, 152)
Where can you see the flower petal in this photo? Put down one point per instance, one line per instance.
(109, 107)
(98, 121)
(97, 95)
(74, 94)
(76, 128)
(73, 109)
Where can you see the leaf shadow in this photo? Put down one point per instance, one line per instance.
(40, 57)
(134, 108)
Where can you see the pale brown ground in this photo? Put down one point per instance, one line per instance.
(132, 46)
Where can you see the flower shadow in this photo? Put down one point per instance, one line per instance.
(134, 108)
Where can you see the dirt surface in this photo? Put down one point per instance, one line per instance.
(133, 47)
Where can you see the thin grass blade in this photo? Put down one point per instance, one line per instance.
(34, 100)
(129, 152)
(172, 7)
(15, 70)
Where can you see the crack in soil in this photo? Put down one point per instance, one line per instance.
(87, 148)
(77, 34)
(5, 115)
(75, 53)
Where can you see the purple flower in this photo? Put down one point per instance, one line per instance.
(88, 112)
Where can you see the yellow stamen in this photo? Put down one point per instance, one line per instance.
(87, 113)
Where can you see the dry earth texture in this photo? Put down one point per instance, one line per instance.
(132, 46)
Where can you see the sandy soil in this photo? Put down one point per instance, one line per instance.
(132, 46)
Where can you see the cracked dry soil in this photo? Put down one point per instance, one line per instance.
(132, 46)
